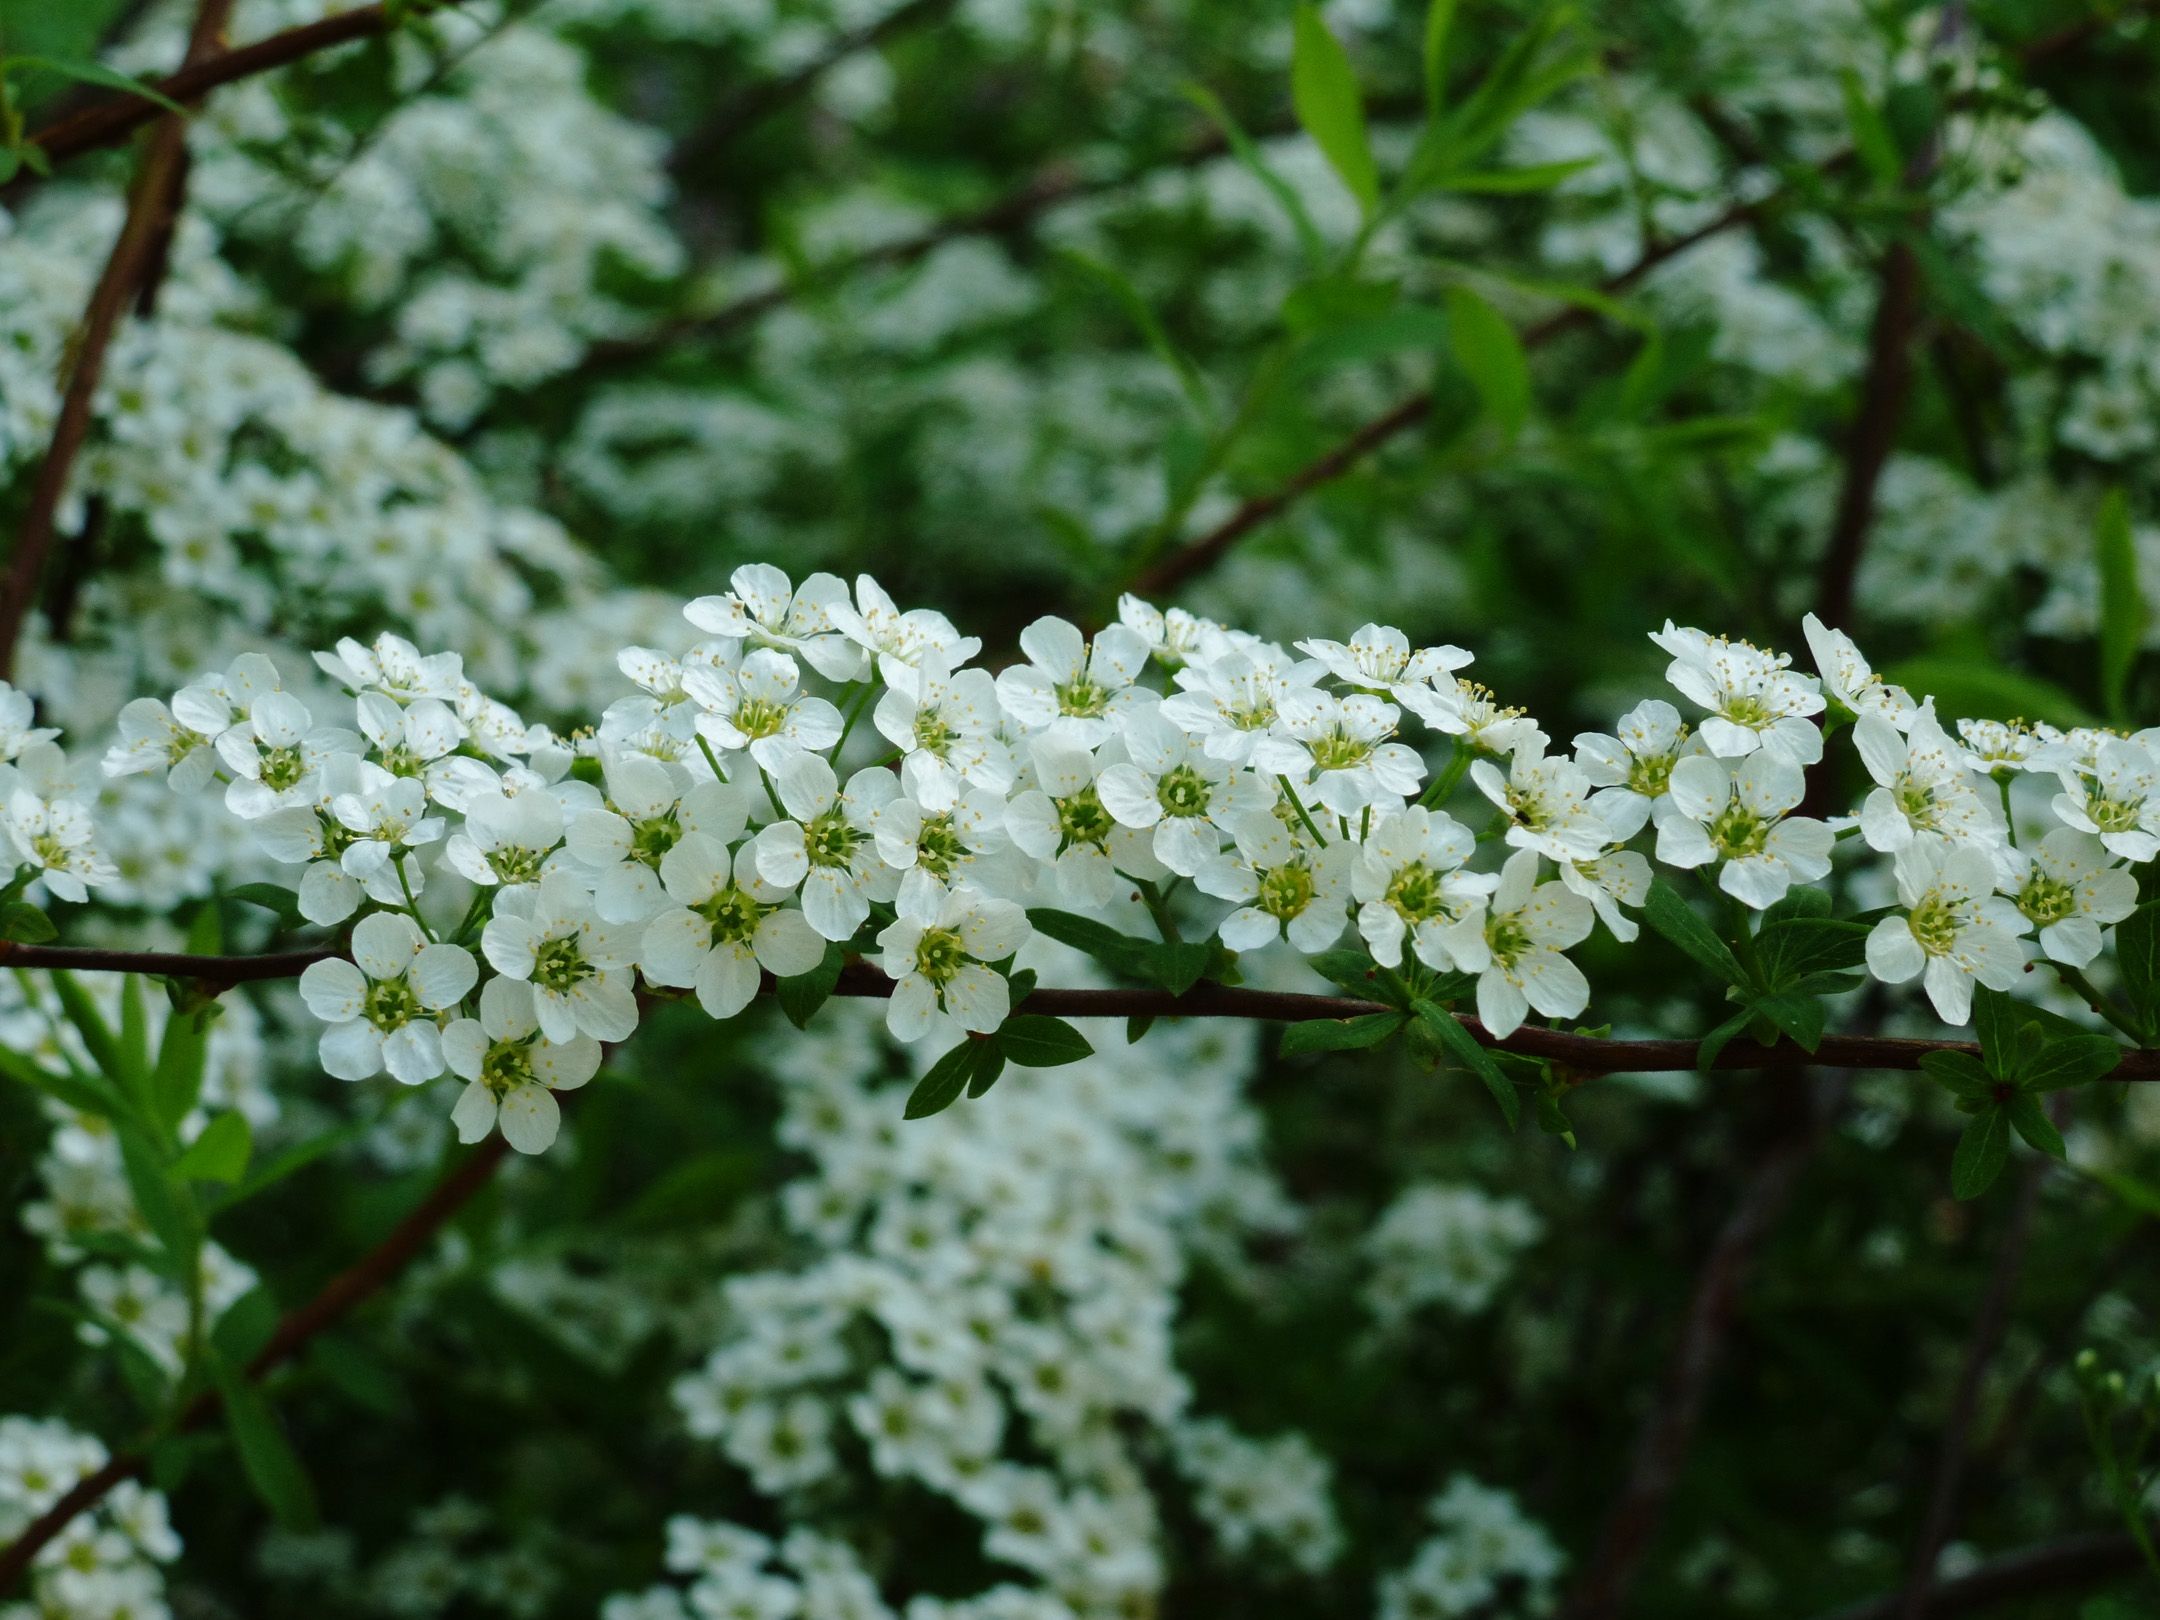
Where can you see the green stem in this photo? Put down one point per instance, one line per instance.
(1158, 904)
(1744, 940)
(2094, 998)
(855, 712)
(711, 758)
(2009, 826)
(1449, 778)
(1296, 804)
(772, 793)
(412, 905)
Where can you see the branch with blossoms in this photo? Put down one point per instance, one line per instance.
(824, 795)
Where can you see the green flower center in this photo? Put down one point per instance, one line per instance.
(1415, 893)
(932, 734)
(2111, 815)
(938, 847)
(1337, 750)
(1916, 802)
(335, 836)
(180, 742)
(1748, 710)
(1934, 923)
(1507, 938)
(1739, 831)
(507, 1066)
(1082, 818)
(1650, 776)
(939, 955)
(559, 964)
(390, 1004)
(734, 915)
(1083, 698)
(1285, 891)
(399, 760)
(48, 849)
(1527, 810)
(282, 768)
(2047, 899)
(653, 838)
(517, 865)
(760, 717)
(830, 840)
(1184, 792)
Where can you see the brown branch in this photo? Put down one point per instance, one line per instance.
(1668, 1431)
(2052, 1567)
(114, 117)
(1586, 1056)
(131, 274)
(743, 112)
(368, 1276)
(1987, 1332)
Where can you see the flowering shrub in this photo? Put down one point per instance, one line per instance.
(947, 739)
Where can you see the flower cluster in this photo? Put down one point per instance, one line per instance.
(714, 830)
(1483, 1551)
(107, 1563)
(1444, 1245)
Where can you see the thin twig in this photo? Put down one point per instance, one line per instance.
(2051, 1568)
(366, 1277)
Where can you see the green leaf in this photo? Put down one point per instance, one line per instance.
(1801, 1017)
(1249, 157)
(2137, 954)
(1792, 949)
(1490, 353)
(1802, 900)
(266, 1456)
(357, 1375)
(1341, 1034)
(1135, 305)
(1707, 1050)
(246, 1327)
(23, 924)
(941, 1087)
(1980, 1153)
(2070, 1060)
(1354, 971)
(1961, 1072)
(1668, 912)
(220, 1153)
(97, 1035)
(1439, 22)
(1872, 139)
(1997, 1019)
(1178, 965)
(134, 1042)
(86, 71)
(1515, 182)
(1037, 1042)
(2031, 1122)
(1137, 1026)
(270, 897)
(804, 993)
(90, 1094)
(1975, 689)
(157, 1200)
(183, 1055)
(1463, 1047)
(989, 1064)
(1120, 952)
(1324, 90)
(2123, 613)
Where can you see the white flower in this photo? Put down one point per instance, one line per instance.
(1410, 884)
(766, 611)
(1083, 691)
(1284, 886)
(1632, 769)
(1378, 659)
(409, 739)
(2117, 798)
(1170, 784)
(16, 731)
(759, 706)
(395, 667)
(1953, 929)
(1848, 678)
(1998, 748)
(274, 751)
(2067, 889)
(937, 966)
(1467, 710)
(1545, 801)
(1756, 700)
(506, 840)
(513, 1071)
(57, 837)
(899, 641)
(1923, 786)
(830, 845)
(1062, 821)
(1232, 698)
(727, 922)
(622, 843)
(1172, 637)
(1517, 958)
(1737, 816)
(180, 741)
(949, 720)
(382, 1005)
(1621, 878)
(939, 838)
(578, 966)
(1342, 744)
(387, 818)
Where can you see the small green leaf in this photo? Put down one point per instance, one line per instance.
(1037, 1042)
(1707, 1050)
(97, 1035)
(1872, 139)
(1439, 22)
(91, 72)
(1463, 1047)
(1136, 1026)
(1795, 948)
(1980, 1153)
(803, 994)
(941, 1087)
(1178, 966)
(2070, 1060)
(1324, 90)
(270, 897)
(2123, 613)
(2137, 954)
(1515, 182)
(176, 1078)
(1249, 157)
(266, 1456)
(1120, 952)
(1801, 1017)
(1354, 971)
(1961, 1072)
(1672, 916)
(989, 1064)
(1997, 1018)
(1491, 354)
(246, 1327)
(2032, 1123)
(220, 1153)
(1341, 1034)
(23, 924)
(1134, 303)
